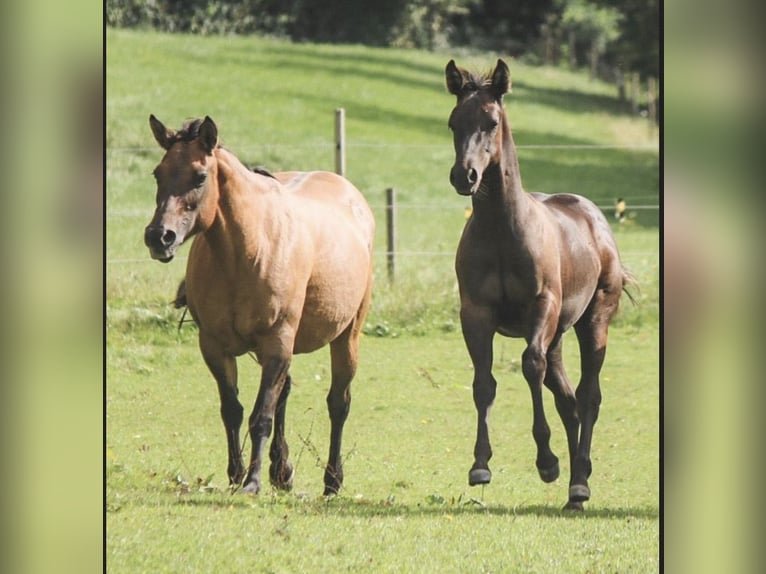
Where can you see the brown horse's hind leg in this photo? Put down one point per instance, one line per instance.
(478, 331)
(281, 472)
(591, 332)
(224, 370)
(566, 404)
(343, 356)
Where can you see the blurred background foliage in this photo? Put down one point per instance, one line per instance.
(605, 35)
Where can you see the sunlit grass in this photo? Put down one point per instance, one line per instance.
(406, 506)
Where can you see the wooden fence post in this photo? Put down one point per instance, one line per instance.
(340, 141)
(652, 94)
(620, 79)
(634, 85)
(391, 232)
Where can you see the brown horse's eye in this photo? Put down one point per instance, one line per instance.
(199, 179)
(191, 206)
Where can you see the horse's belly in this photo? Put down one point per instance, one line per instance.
(511, 320)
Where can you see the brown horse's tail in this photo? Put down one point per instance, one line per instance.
(630, 283)
(180, 300)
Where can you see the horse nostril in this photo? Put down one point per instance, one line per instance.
(473, 176)
(452, 176)
(159, 237)
(168, 237)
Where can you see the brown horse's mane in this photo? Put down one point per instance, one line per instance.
(190, 130)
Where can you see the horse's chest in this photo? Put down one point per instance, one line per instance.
(232, 318)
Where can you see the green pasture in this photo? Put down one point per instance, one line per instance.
(406, 505)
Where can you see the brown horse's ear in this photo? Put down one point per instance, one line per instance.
(208, 134)
(162, 134)
(455, 78)
(501, 79)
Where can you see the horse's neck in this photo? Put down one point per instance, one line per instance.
(503, 198)
(244, 214)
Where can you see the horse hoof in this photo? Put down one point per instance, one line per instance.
(251, 488)
(331, 490)
(479, 476)
(573, 506)
(579, 493)
(282, 479)
(549, 474)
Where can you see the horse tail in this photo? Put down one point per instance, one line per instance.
(629, 284)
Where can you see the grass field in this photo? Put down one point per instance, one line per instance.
(406, 506)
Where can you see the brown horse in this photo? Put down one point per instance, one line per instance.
(280, 264)
(528, 265)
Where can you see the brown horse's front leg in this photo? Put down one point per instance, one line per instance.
(224, 369)
(273, 375)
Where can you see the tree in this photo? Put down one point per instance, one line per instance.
(597, 26)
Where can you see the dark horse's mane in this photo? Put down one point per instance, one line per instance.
(190, 131)
(475, 81)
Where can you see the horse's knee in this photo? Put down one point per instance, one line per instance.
(484, 391)
(260, 425)
(533, 365)
(232, 413)
(339, 403)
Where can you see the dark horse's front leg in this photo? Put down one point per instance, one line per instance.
(478, 332)
(273, 377)
(224, 369)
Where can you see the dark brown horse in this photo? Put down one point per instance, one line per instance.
(279, 265)
(528, 265)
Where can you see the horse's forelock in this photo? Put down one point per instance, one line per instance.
(188, 132)
(475, 82)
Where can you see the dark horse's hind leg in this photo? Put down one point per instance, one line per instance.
(224, 370)
(534, 365)
(478, 332)
(591, 332)
(566, 404)
(281, 471)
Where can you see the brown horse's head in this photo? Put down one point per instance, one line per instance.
(185, 200)
(476, 123)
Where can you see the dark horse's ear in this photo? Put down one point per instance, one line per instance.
(162, 134)
(455, 78)
(501, 79)
(208, 134)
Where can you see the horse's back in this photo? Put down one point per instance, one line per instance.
(588, 253)
(579, 220)
(321, 194)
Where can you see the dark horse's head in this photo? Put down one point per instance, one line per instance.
(185, 204)
(476, 123)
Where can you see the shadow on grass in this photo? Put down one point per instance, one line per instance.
(346, 507)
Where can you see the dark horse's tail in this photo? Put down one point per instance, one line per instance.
(630, 283)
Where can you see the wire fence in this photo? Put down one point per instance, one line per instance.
(647, 206)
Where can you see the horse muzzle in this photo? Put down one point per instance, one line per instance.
(464, 180)
(162, 242)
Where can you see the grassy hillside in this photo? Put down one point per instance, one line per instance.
(406, 506)
(274, 104)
